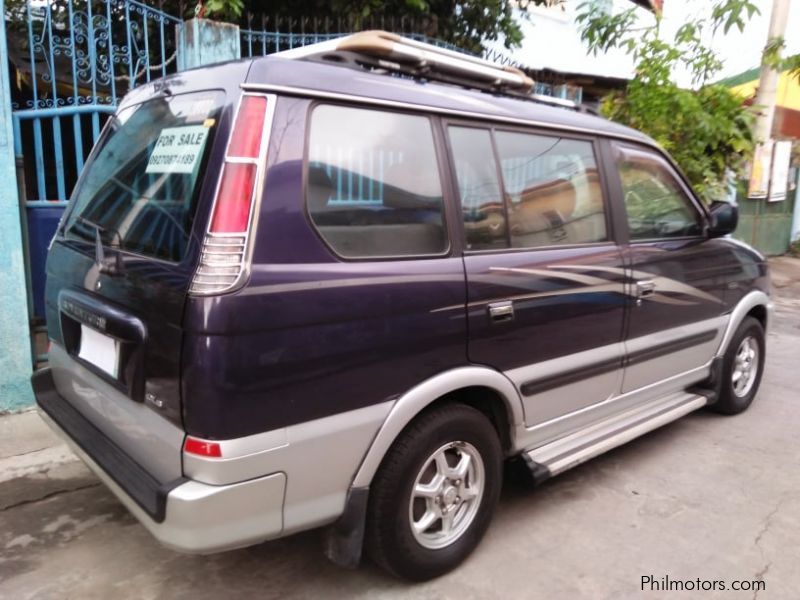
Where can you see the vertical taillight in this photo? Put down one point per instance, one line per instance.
(225, 244)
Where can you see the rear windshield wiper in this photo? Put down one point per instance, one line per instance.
(111, 267)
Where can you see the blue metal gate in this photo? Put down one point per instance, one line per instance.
(71, 60)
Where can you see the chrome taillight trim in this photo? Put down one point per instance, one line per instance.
(215, 274)
(219, 248)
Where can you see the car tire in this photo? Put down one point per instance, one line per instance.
(742, 368)
(435, 493)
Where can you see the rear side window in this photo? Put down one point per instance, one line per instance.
(656, 205)
(553, 189)
(373, 186)
(140, 190)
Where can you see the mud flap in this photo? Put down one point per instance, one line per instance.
(343, 541)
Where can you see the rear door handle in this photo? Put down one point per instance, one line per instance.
(500, 312)
(645, 288)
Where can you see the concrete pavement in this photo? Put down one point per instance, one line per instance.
(708, 497)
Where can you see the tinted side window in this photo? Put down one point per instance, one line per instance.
(656, 205)
(479, 188)
(373, 183)
(553, 187)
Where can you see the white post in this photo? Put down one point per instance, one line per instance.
(768, 81)
(794, 234)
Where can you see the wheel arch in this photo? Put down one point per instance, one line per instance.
(462, 384)
(756, 304)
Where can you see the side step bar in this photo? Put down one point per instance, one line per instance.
(567, 452)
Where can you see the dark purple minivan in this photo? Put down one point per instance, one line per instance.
(340, 286)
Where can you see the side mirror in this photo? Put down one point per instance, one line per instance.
(724, 218)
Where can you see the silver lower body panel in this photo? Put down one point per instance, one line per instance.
(202, 518)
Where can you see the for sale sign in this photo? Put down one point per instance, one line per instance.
(178, 149)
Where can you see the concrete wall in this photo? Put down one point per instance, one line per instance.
(204, 42)
(15, 345)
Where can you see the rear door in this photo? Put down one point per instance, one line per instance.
(120, 267)
(545, 278)
(679, 277)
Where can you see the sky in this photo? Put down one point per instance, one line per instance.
(552, 39)
(740, 51)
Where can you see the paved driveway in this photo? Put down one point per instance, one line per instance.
(708, 497)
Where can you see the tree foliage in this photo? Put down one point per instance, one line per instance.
(708, 129)
(229, 10)
(468, 24)
(773, 56)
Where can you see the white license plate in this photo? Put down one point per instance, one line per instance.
(100, 350)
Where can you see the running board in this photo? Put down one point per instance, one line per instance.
(567, 452)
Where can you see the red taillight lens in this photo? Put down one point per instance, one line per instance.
(246, 136)
(202, 448)
(232, 211)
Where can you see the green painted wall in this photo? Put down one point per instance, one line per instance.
(15, 344)
(766, 225)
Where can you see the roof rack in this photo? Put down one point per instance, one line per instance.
(381, 50)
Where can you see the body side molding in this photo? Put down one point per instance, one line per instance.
(416, 399)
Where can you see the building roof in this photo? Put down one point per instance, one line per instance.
(743, 77)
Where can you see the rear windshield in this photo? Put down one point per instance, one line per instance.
(140, 191)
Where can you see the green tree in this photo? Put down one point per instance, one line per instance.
(707, 129)
(229, 10)
(773, 56)
(468, 24)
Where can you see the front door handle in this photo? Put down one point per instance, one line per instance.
(501, 312)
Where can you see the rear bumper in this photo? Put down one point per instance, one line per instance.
(182, 514)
